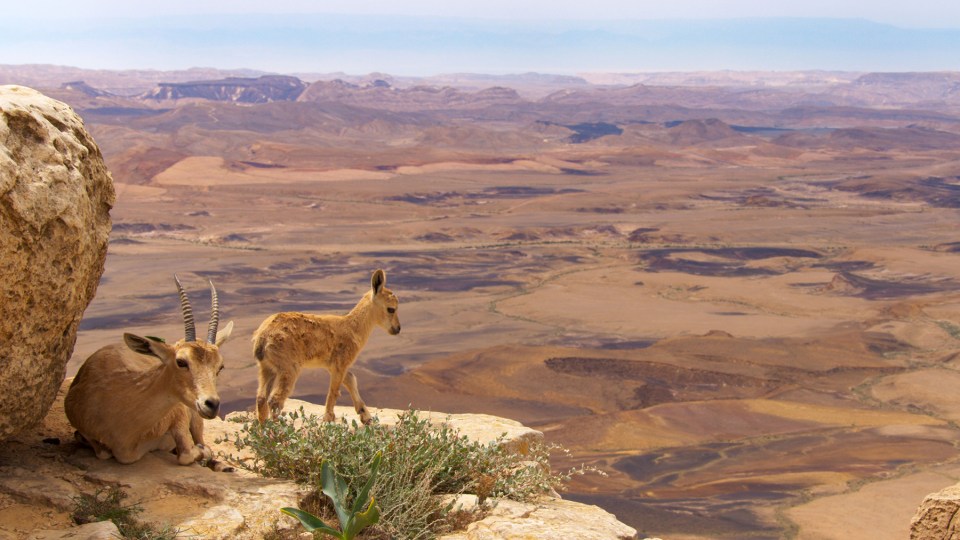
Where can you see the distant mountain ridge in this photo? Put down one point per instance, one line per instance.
(807, 110)
(710, 89)
(124, 82)
(379, 94)
(264, 89)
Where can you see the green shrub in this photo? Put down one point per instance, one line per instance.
(107, 504)
(420, 461)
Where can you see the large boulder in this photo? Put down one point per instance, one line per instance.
(55, 198)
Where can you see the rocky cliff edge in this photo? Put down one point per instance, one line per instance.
(43, 470)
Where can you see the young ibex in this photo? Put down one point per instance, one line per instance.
(124, 403)
(287, 342)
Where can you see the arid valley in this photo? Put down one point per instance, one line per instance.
(737, 294)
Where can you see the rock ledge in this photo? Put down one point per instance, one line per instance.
(38, 482)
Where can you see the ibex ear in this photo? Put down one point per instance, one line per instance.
(147, 346)
(378, 280)
(224, 333)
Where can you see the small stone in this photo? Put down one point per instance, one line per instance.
(101, 530)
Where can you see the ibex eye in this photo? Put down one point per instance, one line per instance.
(391, 310)
(181, 363)
(219, 370)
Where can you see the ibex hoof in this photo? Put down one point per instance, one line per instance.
(329, 417)
(275, 411)
(220, 466)
(205, 453)
(197, 453)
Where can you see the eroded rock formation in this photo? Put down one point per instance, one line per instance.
(936, 517)
(55, 198)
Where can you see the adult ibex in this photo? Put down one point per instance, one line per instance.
(124, 402)
(287, 342)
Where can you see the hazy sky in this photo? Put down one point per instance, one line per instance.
(912, 13)
(424, 37)
(924, 13)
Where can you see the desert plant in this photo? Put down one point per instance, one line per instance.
(950, 328)
(107, 504)
(353, 518)
(420, 461)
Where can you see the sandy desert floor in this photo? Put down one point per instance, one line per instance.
(746, 349)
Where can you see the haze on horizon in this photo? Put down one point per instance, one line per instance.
(426, 37)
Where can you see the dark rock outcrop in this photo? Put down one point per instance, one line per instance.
(265, 89)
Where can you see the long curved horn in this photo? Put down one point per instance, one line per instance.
(214, 315)
(190, 330)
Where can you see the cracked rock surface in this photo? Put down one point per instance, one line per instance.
(55, 199)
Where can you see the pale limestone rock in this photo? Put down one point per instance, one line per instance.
(212, 505)
(550, 519)
(937, 516)
(465, 502)
(483, 428)
(101, 530)
(486, 428)
(55, 198)
(29, 486)
(222, 521)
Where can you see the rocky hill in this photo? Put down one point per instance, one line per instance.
(889, 89)
(84, 88)
(692, 132)
(379, 94)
